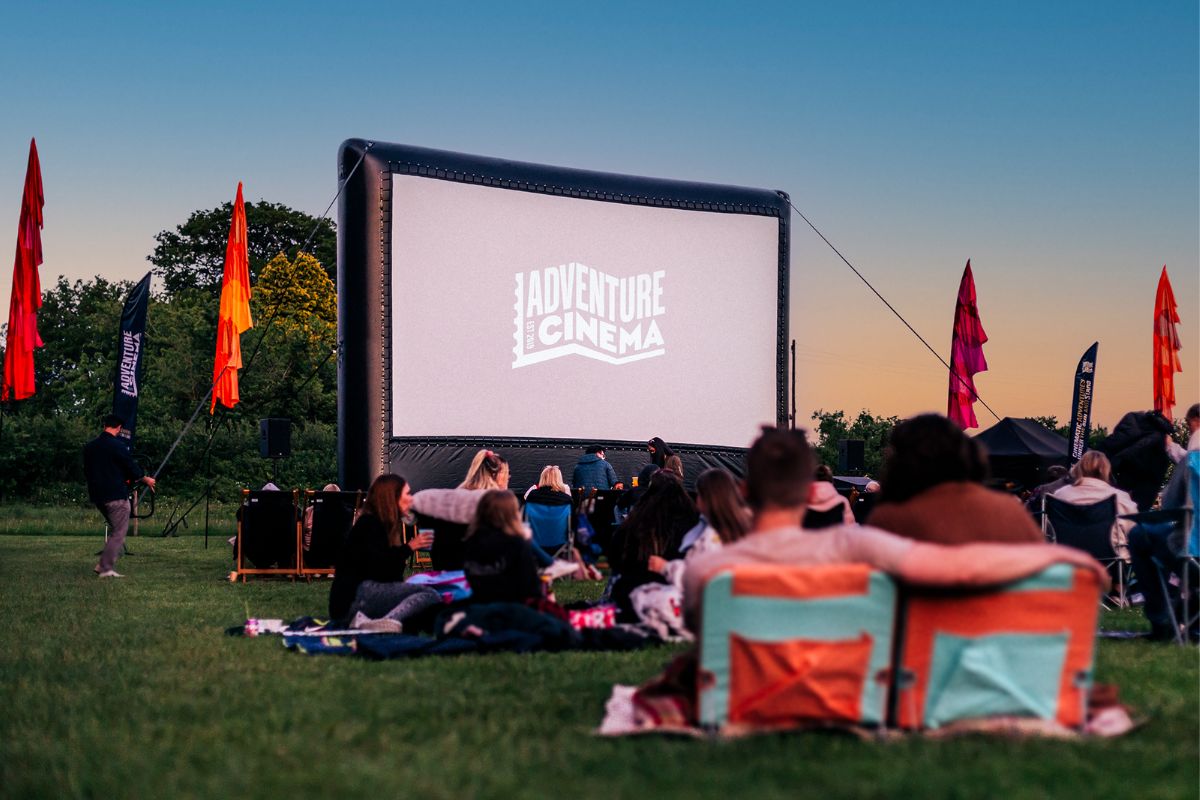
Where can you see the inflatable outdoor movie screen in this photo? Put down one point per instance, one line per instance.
(493, 303)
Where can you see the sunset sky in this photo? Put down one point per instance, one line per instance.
(1055, 145)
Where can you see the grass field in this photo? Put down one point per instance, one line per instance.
(129, 688)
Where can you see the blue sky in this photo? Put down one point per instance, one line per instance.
(1056, 145)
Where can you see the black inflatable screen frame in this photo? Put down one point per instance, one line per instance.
(365, 447)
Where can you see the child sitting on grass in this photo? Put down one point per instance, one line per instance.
(497, 556)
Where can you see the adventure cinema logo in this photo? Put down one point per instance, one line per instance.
(573, 309)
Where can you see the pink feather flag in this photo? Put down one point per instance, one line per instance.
(966, 354)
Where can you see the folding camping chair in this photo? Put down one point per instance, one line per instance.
(796, 646)
(268, 533)
(1187, 565)
(1025, 649)
(551, 528)
(331, 519)
(1089, 528)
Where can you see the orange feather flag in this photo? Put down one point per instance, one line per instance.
(233, 318)
(1166, 346)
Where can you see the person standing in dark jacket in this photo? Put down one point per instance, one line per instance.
(110, 471)
(594, 472)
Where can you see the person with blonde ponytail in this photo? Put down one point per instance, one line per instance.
(449, 511)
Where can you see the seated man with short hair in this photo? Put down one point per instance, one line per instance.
(779, 469)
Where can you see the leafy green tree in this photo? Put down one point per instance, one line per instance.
(833, 426)
(1095, 436)
(74, 370)
(193, 255)
(293, 373)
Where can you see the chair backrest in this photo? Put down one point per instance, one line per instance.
(1087, 528)
(863, 505)
(1193, 491)
(551, 524)
(447, 550)
(788, 646)
(268, 528)
(332, 518)
(815, 520)
(1025, 649)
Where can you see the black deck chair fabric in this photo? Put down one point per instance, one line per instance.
(269, 529)
(332, 518)
(1087, 528)
(447, 550)
(815, 520)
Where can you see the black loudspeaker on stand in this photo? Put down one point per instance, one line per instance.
(274, 441)
(851, 456)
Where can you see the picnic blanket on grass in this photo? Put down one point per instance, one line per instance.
(666, 704)
(479, 628)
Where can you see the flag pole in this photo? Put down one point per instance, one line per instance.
(312, 234)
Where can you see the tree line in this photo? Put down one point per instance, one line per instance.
(289, 354)
(291, 369)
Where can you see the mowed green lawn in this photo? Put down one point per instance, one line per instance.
(129, 688)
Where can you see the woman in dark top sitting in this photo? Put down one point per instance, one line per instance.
(655, 527)
(370, 569)
(497, 557)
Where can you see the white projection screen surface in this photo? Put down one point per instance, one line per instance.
(522, 314)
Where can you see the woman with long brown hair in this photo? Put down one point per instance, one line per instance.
(497, 557)
(724, 519)
(654, 529)
(370, 569)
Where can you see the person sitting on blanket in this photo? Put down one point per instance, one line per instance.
(369, 582)
(723, 520)
(655, 527)
(451, 510)
(497, 557)
(932, 489)
(779, 468)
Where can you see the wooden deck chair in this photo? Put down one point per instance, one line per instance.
(792, 646)
(1089, 528)
(332, 516)
(1025, 649)
(421, 559)
(268, 533)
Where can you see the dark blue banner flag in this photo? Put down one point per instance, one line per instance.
(1081, 402)
(129, 360)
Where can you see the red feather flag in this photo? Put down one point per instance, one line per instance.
(26, 289)
(966, 354)
(233, 319)
(1166, 346)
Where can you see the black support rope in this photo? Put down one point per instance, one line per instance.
(270, 319)
(885, 302)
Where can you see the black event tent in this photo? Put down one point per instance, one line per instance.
(1021, 450)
